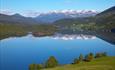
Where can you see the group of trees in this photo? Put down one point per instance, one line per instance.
(89, 57)
(52, 61)
(100, 54)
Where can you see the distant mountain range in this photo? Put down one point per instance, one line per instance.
(57, 15)
(69, 16)
(46, 18)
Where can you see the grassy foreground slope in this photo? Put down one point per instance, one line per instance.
(103, 63)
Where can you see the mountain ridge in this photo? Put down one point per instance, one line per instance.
(52, 16)
(16, 19)
(56, 15)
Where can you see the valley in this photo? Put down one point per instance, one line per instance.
(56, 40)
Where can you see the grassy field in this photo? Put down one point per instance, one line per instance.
(103, 63)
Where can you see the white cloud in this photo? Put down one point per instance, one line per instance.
(7, 12)
(30, 13)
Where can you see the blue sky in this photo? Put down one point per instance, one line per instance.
(48, 5)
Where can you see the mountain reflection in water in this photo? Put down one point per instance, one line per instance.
(72, 37)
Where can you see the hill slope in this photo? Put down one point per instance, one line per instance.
(17, 19)
(106, 17)
(104, 63)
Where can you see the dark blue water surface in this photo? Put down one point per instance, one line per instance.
(17, 53)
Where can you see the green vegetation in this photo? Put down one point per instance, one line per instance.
(85, 63)
(89, 57)
(76, 61)
(100, 54)
(10, 30)
(35, 67)
(51, 62)
(7, 30)
(84, 27)
(102, 63)
(43, 30)
(81, 57)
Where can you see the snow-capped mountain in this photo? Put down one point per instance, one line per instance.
(73, 11)
(56, 15)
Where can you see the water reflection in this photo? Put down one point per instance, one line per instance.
(72, 37)
(106, 36)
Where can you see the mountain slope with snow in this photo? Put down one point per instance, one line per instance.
(57, 15)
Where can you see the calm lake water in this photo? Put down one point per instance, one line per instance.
(18, 52)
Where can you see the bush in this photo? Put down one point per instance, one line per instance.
(39, 66)
(51, 62)
(89, 57)
(104, 54)
(35, 66)
(76, 61)
(81, 57)
(100, 55)
(32, 67)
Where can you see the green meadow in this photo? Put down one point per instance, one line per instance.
(103, 63)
